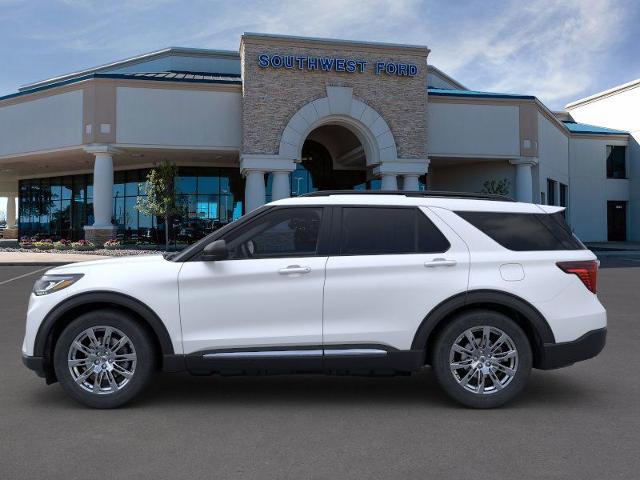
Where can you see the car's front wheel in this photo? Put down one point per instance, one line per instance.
(482, 358)
(104, 358)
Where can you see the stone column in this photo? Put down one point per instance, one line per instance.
(11, 211)
(524, 178)
(254, 193)
(410, 183)
(102, 228)
(389, 182)
(280, 188)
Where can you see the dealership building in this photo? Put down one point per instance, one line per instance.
(287, 115)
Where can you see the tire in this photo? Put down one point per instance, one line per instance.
(500, 377)
(101, 377)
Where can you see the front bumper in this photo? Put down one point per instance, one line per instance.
(556, 355)
(37, 364)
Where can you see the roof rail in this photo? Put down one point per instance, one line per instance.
(423, 193)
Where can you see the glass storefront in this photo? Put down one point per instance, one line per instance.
(59, 207)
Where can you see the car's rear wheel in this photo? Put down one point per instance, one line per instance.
(482, 358)
(104, 358)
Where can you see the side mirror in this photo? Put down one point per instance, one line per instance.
(215, 251)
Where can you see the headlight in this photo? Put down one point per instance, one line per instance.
(52, 283)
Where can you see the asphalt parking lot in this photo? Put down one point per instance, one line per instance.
(578, 422)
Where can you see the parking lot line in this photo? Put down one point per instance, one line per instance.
(23, 275)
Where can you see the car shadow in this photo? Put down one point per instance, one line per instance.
(420, 389)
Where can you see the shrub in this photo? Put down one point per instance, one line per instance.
(62, 245)
(83, 245)
(113, 244)
(46, 244)
(26, 242)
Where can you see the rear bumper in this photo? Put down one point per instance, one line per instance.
(556, 355)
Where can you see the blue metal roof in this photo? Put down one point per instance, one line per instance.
(445, 92)
(575, 127)
(188, 77)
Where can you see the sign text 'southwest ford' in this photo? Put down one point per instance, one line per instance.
(333, 64)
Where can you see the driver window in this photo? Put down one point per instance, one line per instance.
(288, 232)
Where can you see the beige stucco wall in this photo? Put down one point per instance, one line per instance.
(45, 123)
(272, 96)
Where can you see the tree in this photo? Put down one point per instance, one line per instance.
(500, 187)
(161, 198)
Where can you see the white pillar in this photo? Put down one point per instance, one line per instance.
(524, 178)
(254, 193)
(11, 211)
(410, 183)
(103, 189)
(389, 182)
(280, 187)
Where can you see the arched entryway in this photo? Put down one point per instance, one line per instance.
(334, 142)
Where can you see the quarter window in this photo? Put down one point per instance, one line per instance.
(525, 231)
(379, 231)
(287, 232)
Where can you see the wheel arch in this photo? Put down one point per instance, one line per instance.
(65, 312)
(522, 312)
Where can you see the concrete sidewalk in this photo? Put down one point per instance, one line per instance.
(35, 259)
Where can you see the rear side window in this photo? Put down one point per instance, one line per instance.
(379, 231)
(525, 231)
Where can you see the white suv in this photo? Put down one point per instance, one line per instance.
(480, 288)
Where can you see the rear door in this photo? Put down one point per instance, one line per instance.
(389, 267)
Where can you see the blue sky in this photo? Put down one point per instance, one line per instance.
(557, 50)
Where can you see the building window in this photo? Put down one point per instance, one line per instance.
(543, 199)
(551, 191)
(564, 190)
(59, 207)
(616, 161)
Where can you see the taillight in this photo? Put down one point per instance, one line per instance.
(587, 271)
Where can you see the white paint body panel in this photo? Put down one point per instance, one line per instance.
(151, 280)
(382, 299)
(248, 303)
(374, 299)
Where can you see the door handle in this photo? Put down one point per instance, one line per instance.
(440, 262)
(294, 269)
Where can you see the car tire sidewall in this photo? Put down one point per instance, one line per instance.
(445, 340)
(145, 364)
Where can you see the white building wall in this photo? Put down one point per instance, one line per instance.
(553, 158)
(590, 189)
(620, 111)
(188, 118)
(473, 129)
(469, 175)
(43, 124)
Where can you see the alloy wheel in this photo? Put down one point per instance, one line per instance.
(102, 360)
(483, 360)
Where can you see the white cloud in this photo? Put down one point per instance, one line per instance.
(548, 49)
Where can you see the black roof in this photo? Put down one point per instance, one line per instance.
(422, 193)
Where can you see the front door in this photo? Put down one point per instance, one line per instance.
(267, 297)
(617, 221)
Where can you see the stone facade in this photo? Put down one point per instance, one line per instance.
(272, 96)
(99, 236)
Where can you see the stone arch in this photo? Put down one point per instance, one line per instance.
(339, 107)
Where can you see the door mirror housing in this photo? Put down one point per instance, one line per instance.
(215, 251)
